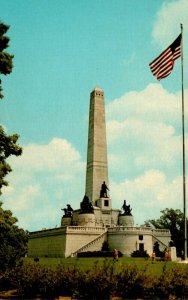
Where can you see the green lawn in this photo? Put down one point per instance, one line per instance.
(87, 263)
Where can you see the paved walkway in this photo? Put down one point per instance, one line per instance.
(183, 261)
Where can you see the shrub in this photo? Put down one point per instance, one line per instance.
(139, 253)
(105, 246)
(26, 279)
(157, 250)
(34, 279)
(68, 280)
(100, 282)
(133, 283)
(5, 281)
(98, 254)
(173, 282)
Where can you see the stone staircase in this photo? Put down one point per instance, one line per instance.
(92, 246)
(160, 242)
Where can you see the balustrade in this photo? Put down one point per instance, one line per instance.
(85, 229)
(139, 229)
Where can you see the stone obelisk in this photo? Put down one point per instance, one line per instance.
(97, 166)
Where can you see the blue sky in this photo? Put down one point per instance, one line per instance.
(63, 49)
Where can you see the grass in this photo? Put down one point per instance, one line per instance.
(88, 263)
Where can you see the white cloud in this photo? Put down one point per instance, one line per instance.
(148, 194)
(42, 182)
(167, 24)
(29, 192)
(50, 156)
(154, 103)
(144, 131)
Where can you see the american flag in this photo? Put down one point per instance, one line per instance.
(163, 65)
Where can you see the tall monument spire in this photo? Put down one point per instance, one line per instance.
(97, 166)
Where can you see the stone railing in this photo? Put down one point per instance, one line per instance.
(85, 229)
(139, 229)
(125, 228)
(161, 231)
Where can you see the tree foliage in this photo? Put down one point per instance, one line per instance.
(13, 243)
(8, 146)
(13, 240)
(6, 59)
(172, 219)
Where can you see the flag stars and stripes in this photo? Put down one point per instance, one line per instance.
(163, 65)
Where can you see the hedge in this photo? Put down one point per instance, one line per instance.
(101, 282)
(98, 254)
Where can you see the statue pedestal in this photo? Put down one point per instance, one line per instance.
(172, 253)
(86, 220)
(66, 221)
(104, 203)
(126, 220)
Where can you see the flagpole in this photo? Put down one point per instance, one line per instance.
(183, 140)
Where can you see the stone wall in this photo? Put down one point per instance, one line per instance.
(47, 243)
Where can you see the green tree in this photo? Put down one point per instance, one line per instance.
(8, 147)
(8, 144)
(5, 58)
(13, 243)
(13, 240)
(172, 219)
